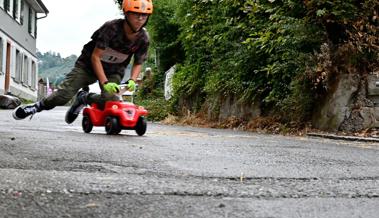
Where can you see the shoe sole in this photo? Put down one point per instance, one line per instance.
(73, 114)
(14, 114)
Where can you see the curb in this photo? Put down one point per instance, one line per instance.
(347, 138)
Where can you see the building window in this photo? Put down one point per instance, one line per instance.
(1, 56)
(8, 6)
(25, 70)
(22, 12)
(12, 59)
(32, 22)
(16, 13)
(34, 75)
(17, 5)
(18, 72)
(29, 82)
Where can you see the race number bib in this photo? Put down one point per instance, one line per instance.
(113, 57)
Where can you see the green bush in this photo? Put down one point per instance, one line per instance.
(262, 50)
(157, 107)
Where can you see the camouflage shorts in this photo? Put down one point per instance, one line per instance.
(75, 80)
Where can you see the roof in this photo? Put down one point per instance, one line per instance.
(38, 6)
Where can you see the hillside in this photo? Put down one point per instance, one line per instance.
(53, 66)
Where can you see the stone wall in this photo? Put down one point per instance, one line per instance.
(350, 106)
(230, 107)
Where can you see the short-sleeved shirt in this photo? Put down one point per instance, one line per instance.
(118, 48)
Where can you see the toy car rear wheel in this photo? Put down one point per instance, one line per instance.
(87, 124)
(112, 126)
(141, 126)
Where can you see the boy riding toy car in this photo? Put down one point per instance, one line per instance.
(116, 115)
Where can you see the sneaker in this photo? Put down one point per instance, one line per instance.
(76, 107)
(22, 112)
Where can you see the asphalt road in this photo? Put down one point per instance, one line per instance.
(51, 169)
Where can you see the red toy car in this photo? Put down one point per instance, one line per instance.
(116, 116)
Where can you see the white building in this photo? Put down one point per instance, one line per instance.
(18, 35)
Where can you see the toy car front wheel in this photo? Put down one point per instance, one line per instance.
(87, 124)
(141, 126)
(112, 127)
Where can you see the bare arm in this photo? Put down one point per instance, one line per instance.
(97, 66)
(136, 69)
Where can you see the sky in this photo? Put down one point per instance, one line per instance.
(70, 24)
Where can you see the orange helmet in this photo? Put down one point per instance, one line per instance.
(138, 6)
